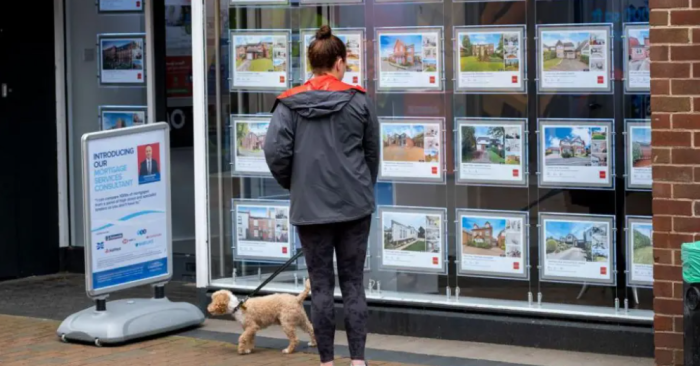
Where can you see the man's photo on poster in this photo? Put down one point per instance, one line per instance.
(149, 158)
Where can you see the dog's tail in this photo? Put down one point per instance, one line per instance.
(307, 288)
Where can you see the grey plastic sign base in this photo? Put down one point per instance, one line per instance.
(129, 319)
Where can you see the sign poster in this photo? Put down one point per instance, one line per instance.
(577, 248)
(409, 59)
(574, 58)
(120, 6)
(492, 151)
(260, 60)
(411, 149)
(353, 39)
(490, 59)
(637, 61)
(492, 243)
(638, 154)
(262, 230)
(412, 239)
(640, 249)
(128, 198)
(120, 117)
(122, 60)
(575, 153)
(249, 136)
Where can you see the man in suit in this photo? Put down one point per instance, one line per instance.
(149, 166)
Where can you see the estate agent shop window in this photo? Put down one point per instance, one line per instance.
(515, 149)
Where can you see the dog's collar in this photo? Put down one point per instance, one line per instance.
(240, 306)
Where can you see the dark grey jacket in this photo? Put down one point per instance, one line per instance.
(323, 145)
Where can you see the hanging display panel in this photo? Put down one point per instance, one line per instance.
(260, 60)
(113, 117)
(577, 248)
(412, 239)
(490, 59)
(120, 6)
(121, 59)
(492, 243)
(636, 58)
(248, 132)
(409, 59)
(640, 251)
(411, 150)
(638, 154)
(576, 153)
(491, 151)
(354, 40)
(258, 3)
(262, 230)
(574, 58)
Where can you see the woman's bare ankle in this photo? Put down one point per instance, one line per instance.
(327, 364)
(358, 363)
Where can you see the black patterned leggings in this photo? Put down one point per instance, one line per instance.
(349, 239)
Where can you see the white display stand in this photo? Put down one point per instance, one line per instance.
(126, 191)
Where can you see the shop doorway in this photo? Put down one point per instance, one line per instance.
(29, 178)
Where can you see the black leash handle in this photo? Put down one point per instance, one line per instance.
(276, 273)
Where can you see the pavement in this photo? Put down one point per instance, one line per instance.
(37, 305)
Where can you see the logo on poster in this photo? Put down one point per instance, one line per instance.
(281, 79)
(141, 232)
(434, 170)
(138, 76)
(138, 4)
(516, 265)
(514, 79)
(284, 250)
(432, 79)
(149, 163)
(603, 270)
(435, 261)
(100, 245)
(112, 250)
(516, 173)
(602, 174)
(355, 80)
(114, 237)
(601, 79)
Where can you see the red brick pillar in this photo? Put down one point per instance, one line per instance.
(675, 104)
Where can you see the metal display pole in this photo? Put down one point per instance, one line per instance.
(128, 231)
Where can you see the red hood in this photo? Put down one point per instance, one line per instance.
(325, 82)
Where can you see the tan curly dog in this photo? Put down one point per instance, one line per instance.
(260, 312)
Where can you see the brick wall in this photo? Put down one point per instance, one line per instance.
(675, 104)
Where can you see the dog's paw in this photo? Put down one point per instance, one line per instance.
(244, 351)
(287, 351)
(312, 344)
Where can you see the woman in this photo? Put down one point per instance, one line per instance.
(322, 145)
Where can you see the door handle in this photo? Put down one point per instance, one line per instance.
(4, 91)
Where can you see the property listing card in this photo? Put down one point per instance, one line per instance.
(492, 243)
(409, 58)
(411, 149)
(575, 153)
(490, 59)
(249, 139)
(412, 239)
(574, 58)
(259, 60)
(638, 154)
(355, 56)
(262, 230)
(640, 249)
(637, 58)
(491, 151)
(576, 248)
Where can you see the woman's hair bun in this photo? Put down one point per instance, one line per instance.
(324, 32)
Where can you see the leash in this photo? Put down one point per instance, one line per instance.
(241, 305)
